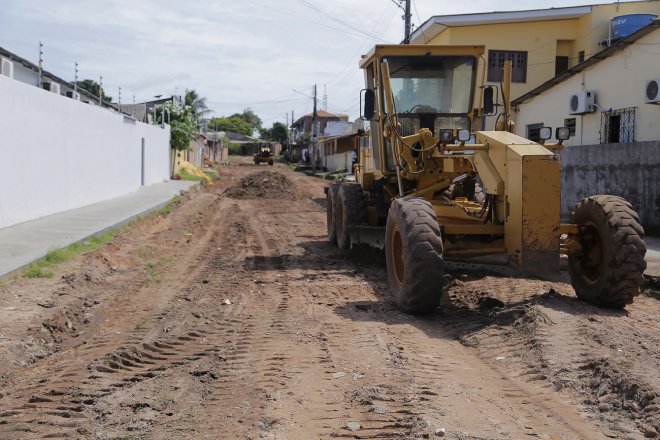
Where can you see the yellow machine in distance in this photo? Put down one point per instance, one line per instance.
(439, 187)
(264, 155)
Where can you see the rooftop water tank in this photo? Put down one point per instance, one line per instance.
(624, 25)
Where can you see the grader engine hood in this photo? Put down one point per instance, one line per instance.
(526, 177)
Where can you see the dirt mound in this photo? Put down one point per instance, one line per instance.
(263, 184)
(613, 390)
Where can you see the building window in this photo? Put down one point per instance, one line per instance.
(617, 126)
(561, 65)
(533, 131)
(570, 124)
(496, 60)
(580, 56)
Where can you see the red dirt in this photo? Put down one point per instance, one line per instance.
(234, 319)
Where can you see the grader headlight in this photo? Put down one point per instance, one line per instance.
(446, 135)
(463, 135)
(545, 133)
(562, 133)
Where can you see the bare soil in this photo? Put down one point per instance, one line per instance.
(233, 318)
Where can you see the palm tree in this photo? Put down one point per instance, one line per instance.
(197, 103)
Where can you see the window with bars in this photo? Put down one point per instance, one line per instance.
(496, 60)
(534, 131)
(570, 124)
(617, 126)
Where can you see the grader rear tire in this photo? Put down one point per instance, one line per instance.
(350, 210)
(413, 250)
(609, 269)
(331, 206)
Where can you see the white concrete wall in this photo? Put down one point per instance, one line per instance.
(61, 154)
(338, 162)
(618, 82)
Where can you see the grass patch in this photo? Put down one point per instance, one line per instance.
(22, 427)
(39, 269)
(36, 271)
(155, 268)
(168, 208)
(185, 175)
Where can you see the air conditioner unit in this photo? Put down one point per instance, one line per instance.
(581, 103)
(7, 68)
(652, 91)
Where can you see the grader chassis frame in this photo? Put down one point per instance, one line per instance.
(403, 182)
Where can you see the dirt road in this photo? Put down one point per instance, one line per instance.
(232, 318)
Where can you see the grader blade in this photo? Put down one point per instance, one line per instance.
(370, 236)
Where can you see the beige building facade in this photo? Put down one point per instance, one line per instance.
(542, 43)
(617, 79)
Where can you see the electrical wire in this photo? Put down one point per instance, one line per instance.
(335, 19)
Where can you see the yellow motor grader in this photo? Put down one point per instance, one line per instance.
(265, 154)
(432, 186)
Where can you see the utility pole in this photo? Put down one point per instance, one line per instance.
(75, 80)
(292, 137)
(407, 17)
(315, 133)
(41, 63)
(325, 98)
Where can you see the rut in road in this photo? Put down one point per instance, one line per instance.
(235, 319)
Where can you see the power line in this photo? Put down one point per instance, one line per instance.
(337, 20)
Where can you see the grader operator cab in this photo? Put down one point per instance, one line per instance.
(438, 188)
(265, 154)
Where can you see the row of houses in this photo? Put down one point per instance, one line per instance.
(205, 146)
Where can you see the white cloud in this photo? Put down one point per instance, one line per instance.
(238, 54)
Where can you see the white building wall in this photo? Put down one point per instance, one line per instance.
(23, 74)
(61, 154)
(618, 82)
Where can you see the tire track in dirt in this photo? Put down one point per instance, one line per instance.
(261, 329)
(60, 403)
(592, 357)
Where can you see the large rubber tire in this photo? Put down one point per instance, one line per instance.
(350, 210)
(331, 204)
(609, 269)
(413, 250)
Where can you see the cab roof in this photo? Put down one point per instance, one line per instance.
(383, 50)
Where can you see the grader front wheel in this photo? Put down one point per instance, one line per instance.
(608, 270)
(413, 250)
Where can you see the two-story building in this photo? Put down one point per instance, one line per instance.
(542, 43)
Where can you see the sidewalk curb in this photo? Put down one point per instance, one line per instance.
(113, 226)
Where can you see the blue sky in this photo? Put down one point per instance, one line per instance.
(236, 53)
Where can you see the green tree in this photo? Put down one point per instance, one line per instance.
(277, 133)
(197, 104)
(94, 88)
(182, 124)
(249, 117)
(233, 124)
